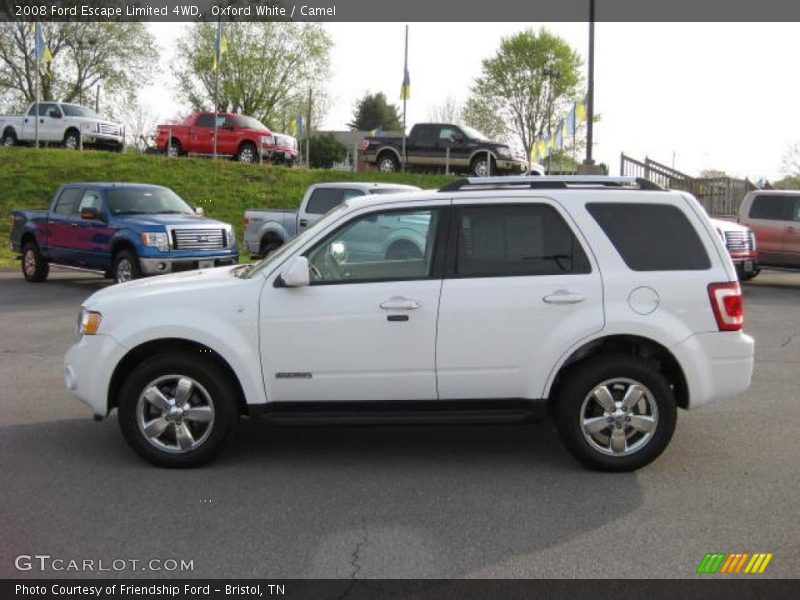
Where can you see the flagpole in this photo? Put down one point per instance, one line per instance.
(405, 99)
(36, 52)
(217, 61)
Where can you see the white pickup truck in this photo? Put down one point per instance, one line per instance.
(265, 230)
(71, 125)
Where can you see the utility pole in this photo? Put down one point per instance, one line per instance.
(308, 132)
(406, 85)
(588, 167)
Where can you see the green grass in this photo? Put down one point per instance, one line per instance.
(29, 177)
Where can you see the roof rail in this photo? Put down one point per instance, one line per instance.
(552, 182)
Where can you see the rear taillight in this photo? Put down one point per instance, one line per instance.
(246, 222)
(364, 144)
(726, 302)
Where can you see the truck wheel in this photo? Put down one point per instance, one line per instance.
(9, 138)
(126, 266)
(615, 412)
(34, 267)
(479, 168)
(72, 140)
(173, 148)
(403, 250)
(269, 246)
(177, 409)
(387, 163)
(247, 153)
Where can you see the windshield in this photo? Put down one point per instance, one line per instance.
(258, 267)
(146, 201)
(73, 110)
(249, 123)
(474, 134)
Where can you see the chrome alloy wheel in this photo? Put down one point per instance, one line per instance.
(386, 165)
(124, 271)
(175, 413)
(618, 417)
(29, 262)
(247, 155)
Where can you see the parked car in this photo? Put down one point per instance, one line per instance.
(427, 145)
(774, 216)
(62, 123)
(122, 230)
(608, 301)
(740, 242)
(265, 230)
(238, 136)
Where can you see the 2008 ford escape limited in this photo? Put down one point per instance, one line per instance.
(606, 302)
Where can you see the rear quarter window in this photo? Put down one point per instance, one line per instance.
(769, 206)
(67, 201)
(651, 237)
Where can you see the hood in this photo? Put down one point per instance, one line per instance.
(187, 282)
(722, 225)
(168, 219)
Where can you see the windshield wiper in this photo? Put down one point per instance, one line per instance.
(130, 212)
(172, 212)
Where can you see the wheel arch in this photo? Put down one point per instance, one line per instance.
(643, 347)
(135, 356)
(72, 129)
(480, 154)
(387, 150)
(10, 128)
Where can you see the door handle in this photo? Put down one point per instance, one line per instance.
(303, 222)
(563, 297)
(41, 121)
(74, 225)
(400, 303)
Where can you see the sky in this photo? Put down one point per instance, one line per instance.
(693, 95)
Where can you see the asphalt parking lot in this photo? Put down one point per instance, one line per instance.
(418, 502)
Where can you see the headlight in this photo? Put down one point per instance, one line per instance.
(159, 240)
(88, 323)
(504, 152)
(267, 139)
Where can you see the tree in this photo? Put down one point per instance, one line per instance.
(266, 71)
(447, 112)
(85, 55)
(531, 80)
(477, 113)
(373, 111)
(324, 150)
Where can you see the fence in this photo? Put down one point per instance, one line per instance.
(719, 195)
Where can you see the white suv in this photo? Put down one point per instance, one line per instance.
(606, 301)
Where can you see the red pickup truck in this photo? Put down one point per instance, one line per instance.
(238, 136)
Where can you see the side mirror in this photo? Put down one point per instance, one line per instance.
(198, 210)
(92, 214)
(296, 273)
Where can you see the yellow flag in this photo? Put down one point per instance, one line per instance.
(580, 112)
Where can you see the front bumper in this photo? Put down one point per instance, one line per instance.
(160, 266)
(717, 365)
(511, 166)
(104, 140)
(88, 367)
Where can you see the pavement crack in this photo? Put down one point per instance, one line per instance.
(789, 340)
(355, 563)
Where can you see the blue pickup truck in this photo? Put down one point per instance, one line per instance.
(122, 230)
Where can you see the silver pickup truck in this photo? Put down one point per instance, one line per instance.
(266, 230)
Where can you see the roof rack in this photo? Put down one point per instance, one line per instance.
(552, 182)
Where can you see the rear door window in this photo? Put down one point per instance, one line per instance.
(651, 237)
(205, 120)
(515, 240)
(771, 207)
(67, 202)
(324, 199)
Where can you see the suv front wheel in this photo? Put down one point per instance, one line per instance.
(615, 412)
(177, 409)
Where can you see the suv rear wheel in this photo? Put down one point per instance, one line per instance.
(615, 412)
(177, 409)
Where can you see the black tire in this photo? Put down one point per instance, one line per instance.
(209, 381)
(9, 138)
(573, 402)
(269, 245)
(34, 267)
(248, 153)
(387, 163)
(403, 250)
(749, 275)
(173, 148)
(72, 140)
(126, 266)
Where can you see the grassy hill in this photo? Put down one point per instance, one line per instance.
(29, 177)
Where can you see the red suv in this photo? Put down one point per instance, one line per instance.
(774, 216)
